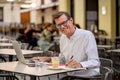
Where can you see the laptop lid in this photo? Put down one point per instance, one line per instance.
(18, 51)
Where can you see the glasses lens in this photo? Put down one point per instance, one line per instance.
(63, 23)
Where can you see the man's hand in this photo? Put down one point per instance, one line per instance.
(43, 59)
(73, 64)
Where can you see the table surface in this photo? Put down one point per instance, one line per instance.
(104, 46)
(4, 39)
(6, 44)
(18, 67)
(12, 52)
(114, 50)
(104, 37)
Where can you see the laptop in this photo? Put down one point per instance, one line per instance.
(19, 53)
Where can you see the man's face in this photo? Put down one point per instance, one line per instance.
(65, 25)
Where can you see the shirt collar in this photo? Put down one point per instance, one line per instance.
(75, 33)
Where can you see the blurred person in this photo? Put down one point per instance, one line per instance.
(30, 36)
(46, 33)
(78, 47)
(20, 35)
(54, 32)
(46, 41)
(49, 32)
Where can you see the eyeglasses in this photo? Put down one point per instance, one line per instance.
(63, 23)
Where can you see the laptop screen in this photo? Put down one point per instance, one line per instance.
(18, 51)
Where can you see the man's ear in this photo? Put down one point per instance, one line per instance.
(71, 19)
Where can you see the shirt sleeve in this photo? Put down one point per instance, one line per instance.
(91, 52)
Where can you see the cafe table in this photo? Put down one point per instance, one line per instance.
(11, 52)
(105, 46)
(4, 40)
(115, 56)
(114, 50)
(8, 45)
(18, 67)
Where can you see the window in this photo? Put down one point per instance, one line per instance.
(91, 13)
(42, 2)
(54, 0)
(1, 13)
(43, 19)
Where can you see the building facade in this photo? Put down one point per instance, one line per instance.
(84, 13)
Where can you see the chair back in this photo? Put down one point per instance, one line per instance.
(102, 52)
(106, 69)
(2, 59)
(115, 56)
(106, 62)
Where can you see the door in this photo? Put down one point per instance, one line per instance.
(25, 17)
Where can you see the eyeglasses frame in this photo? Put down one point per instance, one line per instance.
(63, 23)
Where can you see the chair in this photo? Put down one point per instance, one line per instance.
(8, 77)
(5, 75)
(24, 45)
(115, 56)
(117, 43)
(2, 59)
(102, 53)
(105, 72)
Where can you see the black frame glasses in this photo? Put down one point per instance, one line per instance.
(63, 23)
